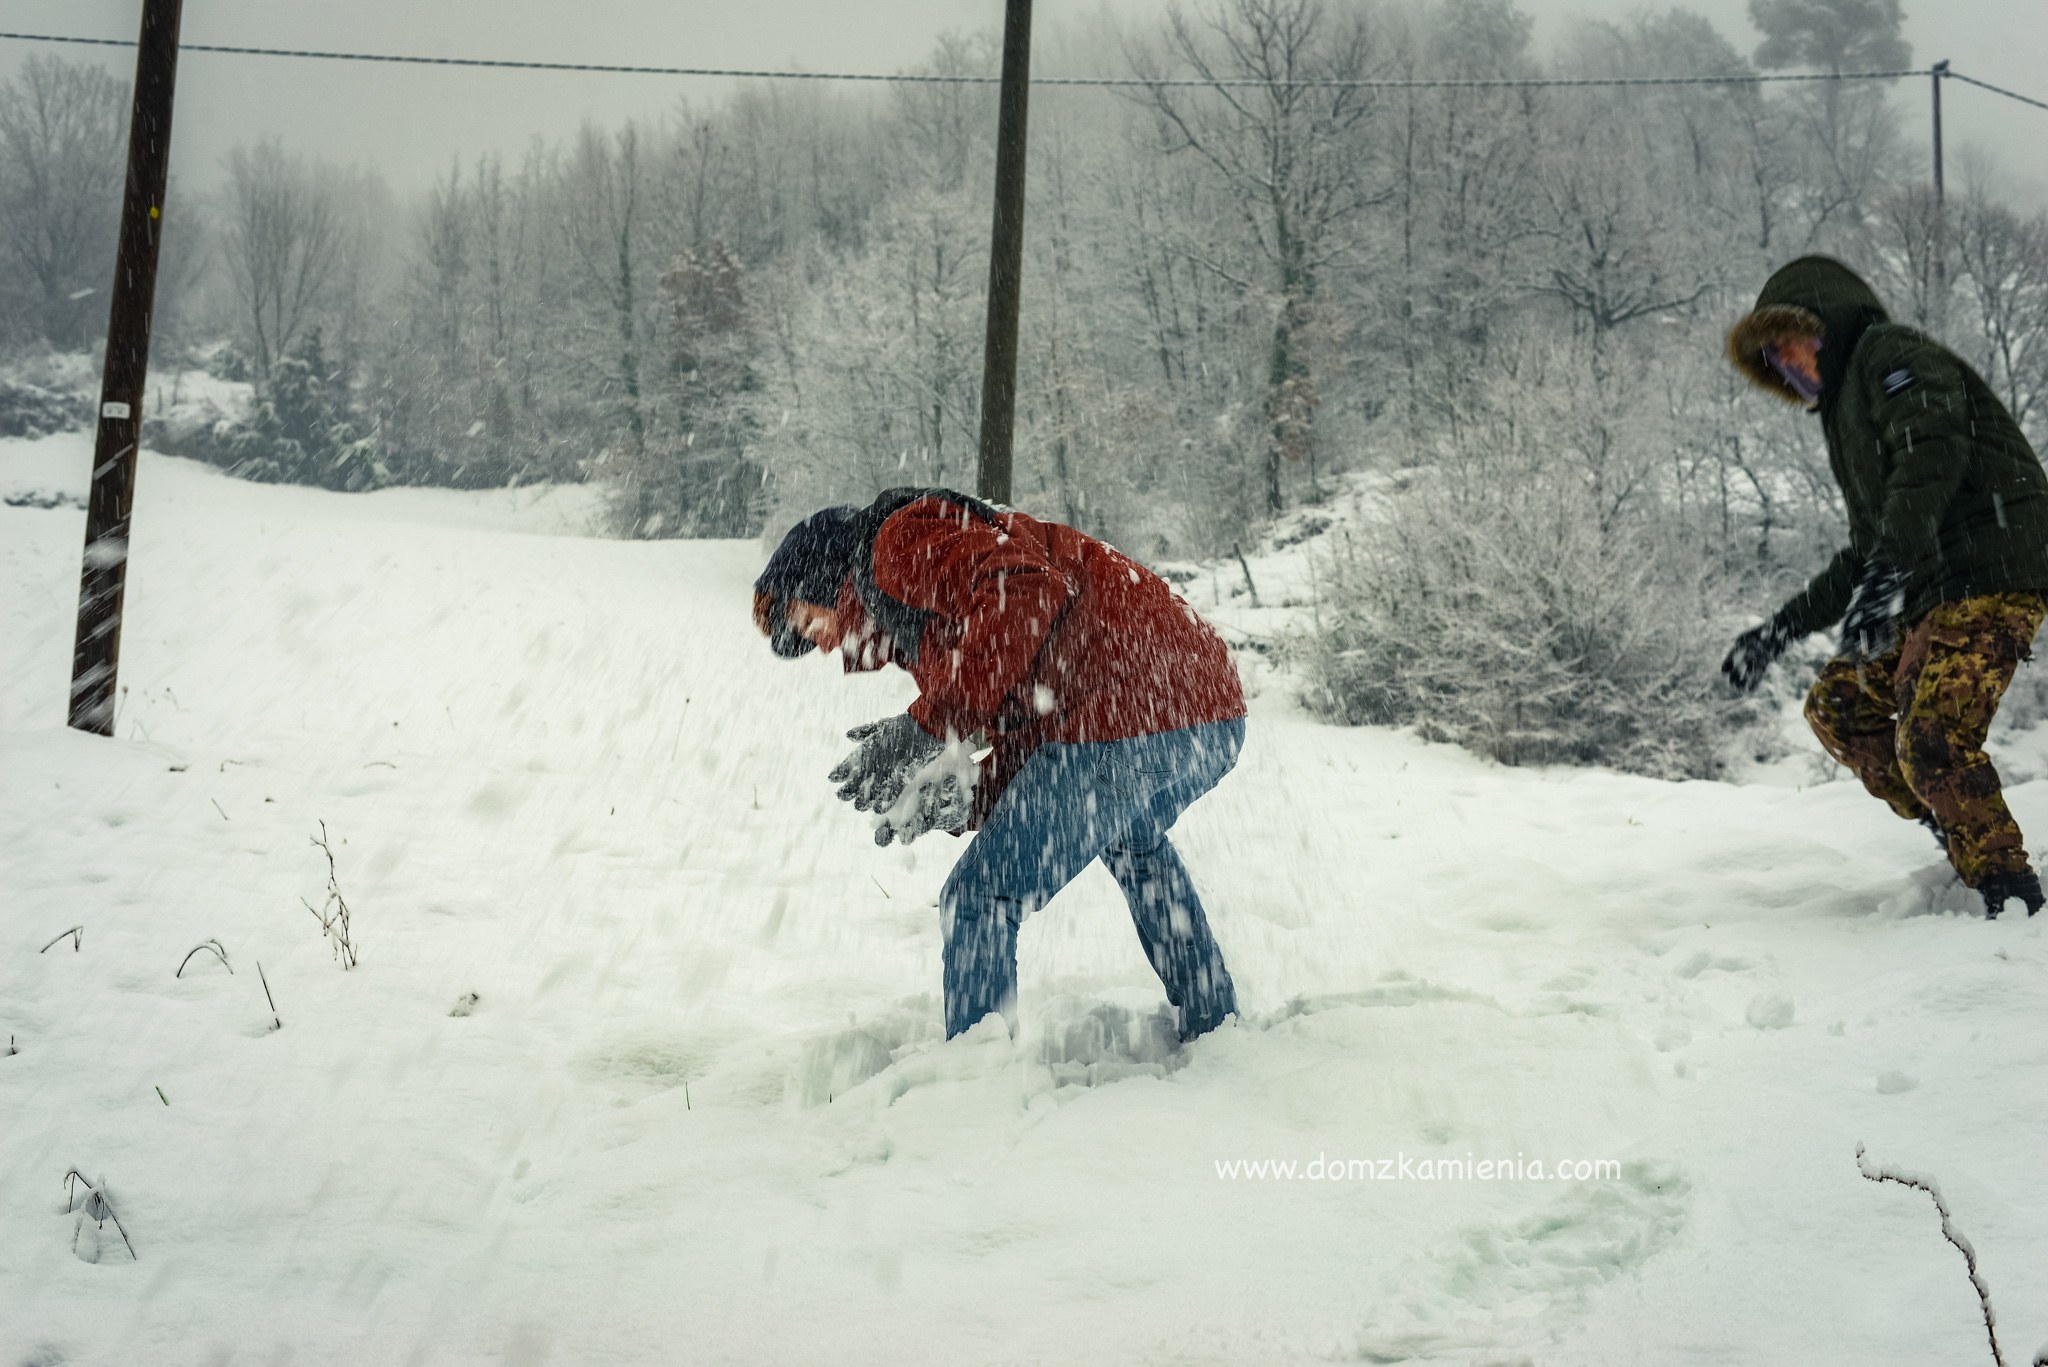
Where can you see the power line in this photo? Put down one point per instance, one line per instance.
(901, 78)
(1996, 89)
(1101, 82)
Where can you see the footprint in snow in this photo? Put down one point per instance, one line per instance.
(833, 1064)
(1769, 1011)
(1105, 1043)
(1548, 1262)
(1703, 962)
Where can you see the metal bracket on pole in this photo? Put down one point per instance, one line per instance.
(1006, 261)
(96, 650)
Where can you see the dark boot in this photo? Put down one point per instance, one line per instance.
(2000, 888)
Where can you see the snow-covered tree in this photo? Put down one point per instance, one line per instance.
(63, 162)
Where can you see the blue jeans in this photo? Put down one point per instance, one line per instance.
(1069, 804)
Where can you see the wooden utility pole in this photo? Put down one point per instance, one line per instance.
(1939, 70)
(96, 652)
(1937, 306)
(1005, 261)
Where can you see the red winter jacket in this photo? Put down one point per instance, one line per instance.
(1035, 633)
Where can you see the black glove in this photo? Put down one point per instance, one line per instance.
(1756, 649)
(939, 801)
(891, 752)
(1871, 625)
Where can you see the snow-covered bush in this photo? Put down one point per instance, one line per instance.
(29, 410)
(304, 428)
(1510, 622)
(47, 392)
(1533, 597)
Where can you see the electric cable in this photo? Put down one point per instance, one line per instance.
(1103, 82)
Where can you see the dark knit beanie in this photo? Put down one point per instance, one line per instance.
(811, 564)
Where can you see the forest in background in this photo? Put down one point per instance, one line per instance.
(1502, 306)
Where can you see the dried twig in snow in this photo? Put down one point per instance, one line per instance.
(96, 1207)
(333, 914)
(1922, 1182)
(275, 1022)
(213, 947)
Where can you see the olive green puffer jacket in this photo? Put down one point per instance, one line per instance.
(1937, 477)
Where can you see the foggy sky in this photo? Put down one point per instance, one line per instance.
(408, 124)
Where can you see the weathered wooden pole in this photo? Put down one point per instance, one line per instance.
(1005, 261)
(1940, 243)
(96, 652)
(1939, 70)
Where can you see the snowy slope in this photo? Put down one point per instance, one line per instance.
(700, 1111)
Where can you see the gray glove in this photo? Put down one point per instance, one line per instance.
(890, 754)
(938, 801)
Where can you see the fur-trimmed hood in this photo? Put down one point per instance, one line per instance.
(1815, 295)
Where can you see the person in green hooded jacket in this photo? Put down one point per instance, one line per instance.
(1941, 587)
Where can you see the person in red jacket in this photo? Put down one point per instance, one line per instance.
(1107, 704)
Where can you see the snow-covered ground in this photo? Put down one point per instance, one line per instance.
(699, 1111)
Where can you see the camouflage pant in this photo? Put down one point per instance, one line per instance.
(1912, 723)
